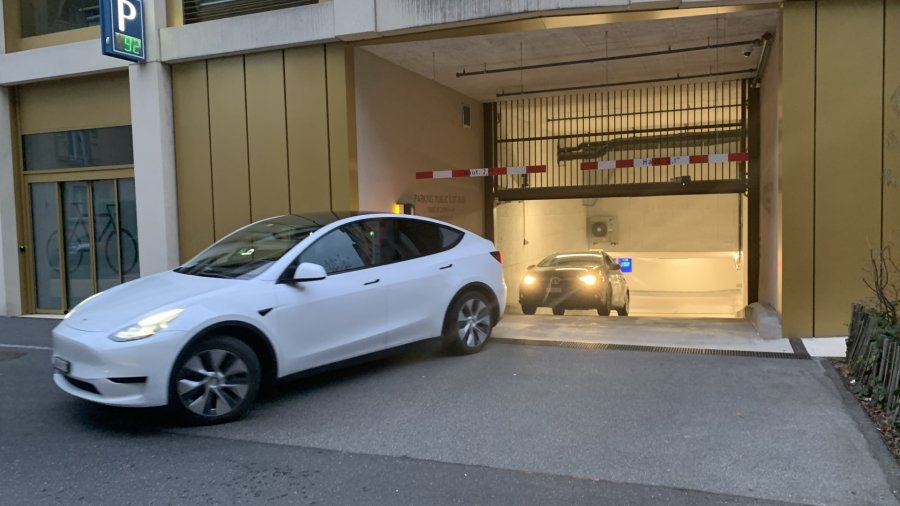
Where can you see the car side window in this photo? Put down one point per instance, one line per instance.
(415, 238)
(348, 248)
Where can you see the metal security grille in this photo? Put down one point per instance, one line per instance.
(562, 132)
(196, 11)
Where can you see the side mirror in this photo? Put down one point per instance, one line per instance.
(615, 267)
(307, 272)
(530, 266)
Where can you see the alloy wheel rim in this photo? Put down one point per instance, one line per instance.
(473, 322)
(213, 382)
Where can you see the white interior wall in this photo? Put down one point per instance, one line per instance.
(770, 182)
(407, 123)
(682, 247)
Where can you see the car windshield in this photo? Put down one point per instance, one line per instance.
(571, 260)
(249, 251)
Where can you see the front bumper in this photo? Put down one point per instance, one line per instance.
(572, 297)
(116, 373)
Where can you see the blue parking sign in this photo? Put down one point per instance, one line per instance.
(625, 263)
(122, 29)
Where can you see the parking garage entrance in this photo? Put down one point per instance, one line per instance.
(644, 129)
(656, 177)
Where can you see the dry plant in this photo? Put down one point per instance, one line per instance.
(883, 280)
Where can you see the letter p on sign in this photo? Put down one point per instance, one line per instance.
(125, 12)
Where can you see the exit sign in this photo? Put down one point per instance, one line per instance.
(122, 29)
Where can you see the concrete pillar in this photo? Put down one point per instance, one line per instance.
(10, 293)
(154, 166)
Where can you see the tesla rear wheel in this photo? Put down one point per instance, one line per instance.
(526, 309)
(468, 325)
(603, 308)
(559, 311)
(215, 381)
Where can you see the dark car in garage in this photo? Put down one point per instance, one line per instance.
(575, 280)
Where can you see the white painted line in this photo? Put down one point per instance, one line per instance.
(606, 164)
(25, 346)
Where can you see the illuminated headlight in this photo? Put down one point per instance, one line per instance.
(588, 279)
(148, 326)
(67, 315)
(529, 279)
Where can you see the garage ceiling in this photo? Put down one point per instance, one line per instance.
(442, 59)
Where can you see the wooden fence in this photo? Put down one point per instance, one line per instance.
(873, 361)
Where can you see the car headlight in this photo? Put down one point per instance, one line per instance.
(588, 279)
(529, 279)
(147, 327)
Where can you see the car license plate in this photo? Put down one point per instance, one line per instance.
(63, 366)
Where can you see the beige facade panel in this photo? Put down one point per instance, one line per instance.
(342, 127)
(891, 182)
(95, 101)
(267, 135)
(307, 133)
(797, 155)
(228, 144)
(260, 135)
(193, 166)
(848, 156)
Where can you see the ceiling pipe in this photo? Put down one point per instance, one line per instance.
(754, 42)
(626, 83)
(763, 59)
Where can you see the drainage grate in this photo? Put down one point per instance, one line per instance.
(11, 355)
(658, 349)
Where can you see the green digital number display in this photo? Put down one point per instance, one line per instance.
(128, 44)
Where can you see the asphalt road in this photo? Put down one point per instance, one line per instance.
(512, 425)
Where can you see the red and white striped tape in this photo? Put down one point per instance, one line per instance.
(665, 160)
(495, 171)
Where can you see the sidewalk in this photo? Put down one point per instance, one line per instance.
(697, 333)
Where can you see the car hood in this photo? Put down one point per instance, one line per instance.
(125, 304)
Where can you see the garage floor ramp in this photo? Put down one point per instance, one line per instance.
(702, 336)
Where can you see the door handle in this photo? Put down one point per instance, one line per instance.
(446, 267)
(372, 282)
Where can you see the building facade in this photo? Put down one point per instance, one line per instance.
(111, 170)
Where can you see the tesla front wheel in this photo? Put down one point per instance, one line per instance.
(528, 309)
(215, 381)
(559, 311)
(468, 324)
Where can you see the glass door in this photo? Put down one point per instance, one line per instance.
(79, 190)
(84, 236)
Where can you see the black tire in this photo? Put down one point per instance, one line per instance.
(468, 324)
(528, 309)
(623, 311)
(214, 381)
(603, 309)
(559, 311)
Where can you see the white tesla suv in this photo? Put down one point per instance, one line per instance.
(279, 296)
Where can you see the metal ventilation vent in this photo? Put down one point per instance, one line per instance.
(196, 11)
